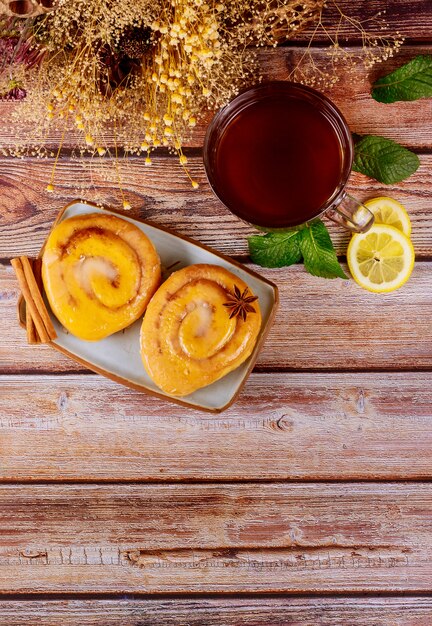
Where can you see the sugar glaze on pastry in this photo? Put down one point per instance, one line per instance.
(188, 339)
(99, 273)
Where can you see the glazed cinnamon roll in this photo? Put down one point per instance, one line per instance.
(99, 273)
(202, 323)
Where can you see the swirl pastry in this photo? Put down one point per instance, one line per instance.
(99, 273)
(199, 325)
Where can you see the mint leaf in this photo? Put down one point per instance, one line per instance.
(275, 249)
(384, 159)
(409, 82)
(318, 253)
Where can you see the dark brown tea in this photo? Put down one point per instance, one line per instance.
(278, 160)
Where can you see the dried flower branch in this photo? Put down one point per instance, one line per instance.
(17, 57)
(135, 76)
(374, 48)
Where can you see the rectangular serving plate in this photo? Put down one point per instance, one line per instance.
(118, 356)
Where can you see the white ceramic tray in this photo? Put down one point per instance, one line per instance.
(118, 356)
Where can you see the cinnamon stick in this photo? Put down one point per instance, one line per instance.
(32, 335)
(37, 271)
(34, 300)
(36, 290)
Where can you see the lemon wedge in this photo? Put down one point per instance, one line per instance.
(391, 212)
(382, 259)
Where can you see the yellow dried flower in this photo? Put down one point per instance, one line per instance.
(194, 61)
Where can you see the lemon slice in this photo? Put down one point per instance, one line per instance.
(382, 259)
(390, 212)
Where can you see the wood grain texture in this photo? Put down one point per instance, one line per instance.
(413, 19)
(406, 122)
(319, 324)
(162, 195)
(222, 612)
(216, 538)
(288, 426)
(315, 538)
(410, 125)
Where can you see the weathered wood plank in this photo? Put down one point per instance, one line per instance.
(214, 612)
(216, 538)
(412, 19)
(407, 122)
(162, 195)
(410, 125)
(320, 324)
(288, 426)
(314, 538)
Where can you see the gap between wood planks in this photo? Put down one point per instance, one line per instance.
(257, 370)
(241, 258)
(72, 482)
(52, 597)
(67, 154)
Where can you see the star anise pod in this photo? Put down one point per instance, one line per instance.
(239, 304)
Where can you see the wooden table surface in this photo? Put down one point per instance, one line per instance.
(307, 502)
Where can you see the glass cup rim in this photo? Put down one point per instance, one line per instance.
(227, 113)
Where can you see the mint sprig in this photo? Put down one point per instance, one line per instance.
(313, 244)
(319, 255)
(412, 81)
(384, 159)
(275, 249)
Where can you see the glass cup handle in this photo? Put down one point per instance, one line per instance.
(351, 214)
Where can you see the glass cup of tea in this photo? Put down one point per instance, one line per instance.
(279, 156)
